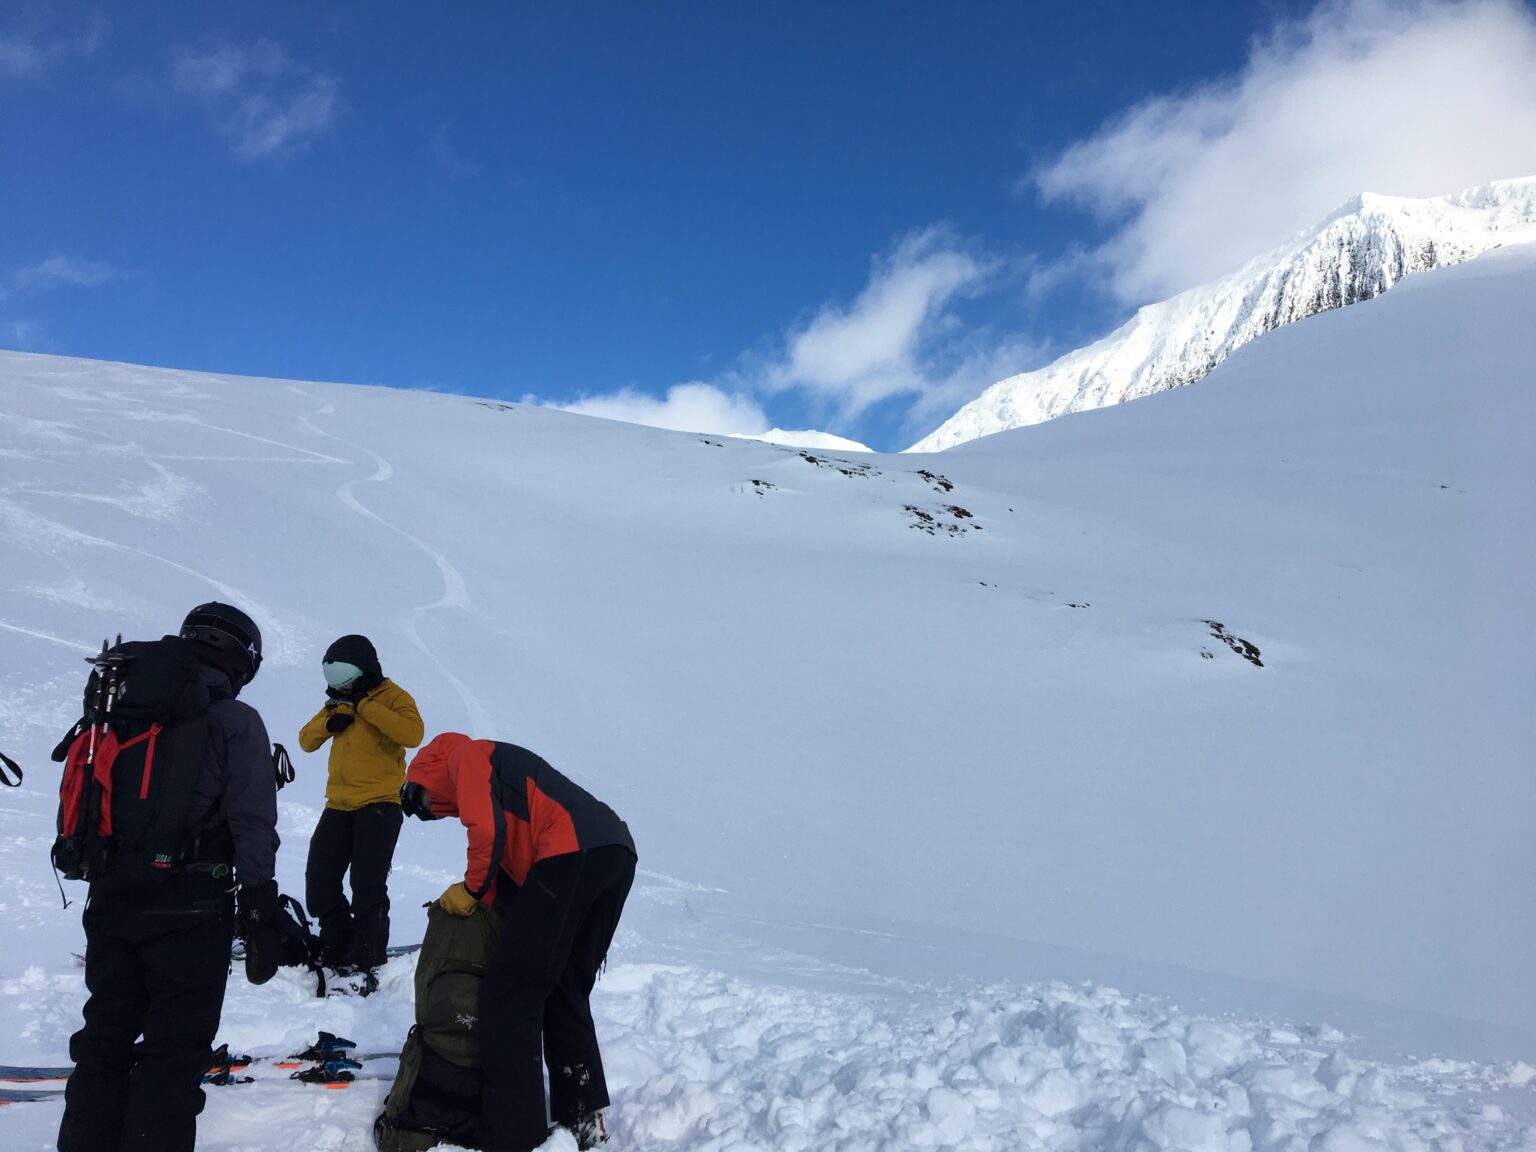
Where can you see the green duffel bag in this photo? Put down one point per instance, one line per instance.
(436, 1093)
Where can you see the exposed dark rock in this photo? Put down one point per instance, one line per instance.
(1247, 650)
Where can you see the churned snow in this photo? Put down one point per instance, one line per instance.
(1359, 252)
(1155, 778)
(700, 1059)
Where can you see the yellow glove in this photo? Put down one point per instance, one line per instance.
(458, 900)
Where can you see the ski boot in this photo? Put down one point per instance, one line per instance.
(590, 1131)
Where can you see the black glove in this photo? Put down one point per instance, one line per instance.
(258, 927)
(337, 722)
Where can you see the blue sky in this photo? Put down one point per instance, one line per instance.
(846, 216)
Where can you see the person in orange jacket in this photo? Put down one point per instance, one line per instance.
(556, 863)
(370, 722)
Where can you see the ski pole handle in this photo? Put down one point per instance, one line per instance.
(11, 768)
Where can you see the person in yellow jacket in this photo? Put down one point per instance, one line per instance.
(370, 722)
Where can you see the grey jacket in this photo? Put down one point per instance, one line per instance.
(238, 791)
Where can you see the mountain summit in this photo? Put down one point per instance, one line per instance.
(1360, 251)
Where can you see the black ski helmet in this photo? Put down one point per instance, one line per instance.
(233, 636)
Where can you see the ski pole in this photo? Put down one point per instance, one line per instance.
(107, 667)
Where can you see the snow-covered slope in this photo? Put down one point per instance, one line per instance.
(1222, 697)
(1365, 248)
(807, 439)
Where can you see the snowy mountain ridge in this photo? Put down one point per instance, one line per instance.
(1361, 250)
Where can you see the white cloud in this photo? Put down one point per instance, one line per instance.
(262, 101)
(695, 407)
(986, 359)
(1402, 97)
(266, 126)
(57, 272)
(893, 338)
(22, 336)
(19, 56)
(28, 54)
(900, 337)
(449, 159)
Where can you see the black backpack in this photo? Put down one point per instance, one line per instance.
(131, 765)
(298, 946)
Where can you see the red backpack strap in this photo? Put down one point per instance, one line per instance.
(149, 757)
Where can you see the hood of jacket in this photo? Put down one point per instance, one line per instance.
(434, 769)
(357, 651)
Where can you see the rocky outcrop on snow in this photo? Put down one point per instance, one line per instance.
(1359, 252)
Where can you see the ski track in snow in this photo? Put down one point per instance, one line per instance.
(72, 645)
(159, 498)
(455, 594)
(47, 534)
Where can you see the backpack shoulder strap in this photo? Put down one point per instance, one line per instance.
(292, 904)
(311, 942)
(282, 768)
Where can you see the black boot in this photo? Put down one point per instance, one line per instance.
(590, 1131)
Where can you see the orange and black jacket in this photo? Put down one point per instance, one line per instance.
(517, 809)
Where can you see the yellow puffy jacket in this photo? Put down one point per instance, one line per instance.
(368, 755)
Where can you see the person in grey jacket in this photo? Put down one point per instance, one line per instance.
(157, 957)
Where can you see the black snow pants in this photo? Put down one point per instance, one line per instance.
(155, 967)
(555, 934)
(364, 841)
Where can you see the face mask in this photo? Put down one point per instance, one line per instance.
(339, 674)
